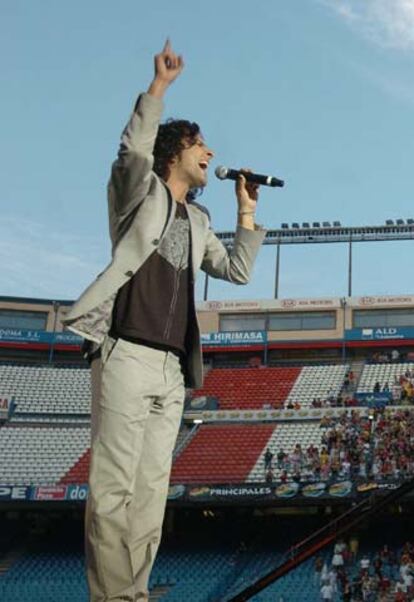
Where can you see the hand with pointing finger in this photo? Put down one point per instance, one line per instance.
(167, 66)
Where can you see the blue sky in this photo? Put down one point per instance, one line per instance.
(317, 92)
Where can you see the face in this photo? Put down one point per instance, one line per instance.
(192, 164)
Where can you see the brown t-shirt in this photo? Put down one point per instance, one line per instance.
(153, 306)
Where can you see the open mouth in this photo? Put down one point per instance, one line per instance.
(203, 165)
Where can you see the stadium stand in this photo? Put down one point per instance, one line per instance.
(200, 564)
(221, 454)
(214, 561)
(40, 455)
(46, 442)
(66, 390)
(242, 388)
(78, 473)
(254, 388)
(47, 453)
(317, 382)
(47, 389)
(286, 437)
(385, 374)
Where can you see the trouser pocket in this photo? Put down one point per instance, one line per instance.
(108, 347)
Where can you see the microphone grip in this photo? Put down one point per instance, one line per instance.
(233, 174)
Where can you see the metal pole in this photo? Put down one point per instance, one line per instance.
(343, 306)
(206, 287)
(350, 268)
(52, 344)
(277, 270)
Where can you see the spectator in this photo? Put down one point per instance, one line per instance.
(365, 563)
(346, 592)
(327, 592)
(268, 457)
(255, 362)
(395, 355)
(281, 456)
(318, 569)
(332, 578)
(357, 588)
(269, 476)
(324, 573)
(378, 566)
(384, 585)
(353, 547)
(400, 592)
(337, 560)
(385, 554)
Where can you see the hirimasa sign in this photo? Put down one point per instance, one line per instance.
(229, 338)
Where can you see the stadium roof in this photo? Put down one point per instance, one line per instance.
(332, 234)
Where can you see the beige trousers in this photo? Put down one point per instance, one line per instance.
(137, 401)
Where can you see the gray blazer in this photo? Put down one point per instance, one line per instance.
(141, 211)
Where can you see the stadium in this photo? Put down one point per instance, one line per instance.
(293, 471)
(293, 467)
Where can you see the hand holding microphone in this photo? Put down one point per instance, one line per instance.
(247, 193)
(247, 186)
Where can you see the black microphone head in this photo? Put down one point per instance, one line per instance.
(221, 172)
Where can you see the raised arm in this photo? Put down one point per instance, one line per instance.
(132, 171)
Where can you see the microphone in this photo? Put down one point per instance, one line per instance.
(224, 173)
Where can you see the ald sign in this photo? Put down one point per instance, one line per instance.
(380, 334)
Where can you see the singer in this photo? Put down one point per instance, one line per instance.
(140, 321)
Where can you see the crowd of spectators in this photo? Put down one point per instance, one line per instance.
(356, 446)
(394, 356)
(399, 391)
(351, 577)
(345, 397)
(402, 388)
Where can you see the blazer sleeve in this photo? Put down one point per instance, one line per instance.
(234, 265)
(131, 173)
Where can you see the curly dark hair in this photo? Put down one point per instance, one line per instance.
(169, 143)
